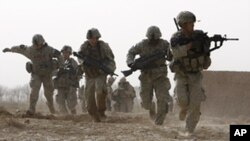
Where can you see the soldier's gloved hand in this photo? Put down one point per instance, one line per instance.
(6, 50)
(130, 65)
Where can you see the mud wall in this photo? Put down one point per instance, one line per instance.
(228, 93)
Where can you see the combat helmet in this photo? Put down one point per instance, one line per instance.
(153, 32)
(38, 39)
(67, 48)
(184, 17)
(93, 32)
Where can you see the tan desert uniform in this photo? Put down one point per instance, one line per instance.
(42, 68)
(188, 76)
(124, 96)
(66, 86)
(154, 79)
(96, 87)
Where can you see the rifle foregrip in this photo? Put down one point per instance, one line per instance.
(127, 72)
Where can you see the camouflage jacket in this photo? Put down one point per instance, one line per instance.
(42, 59)
(144, 48)
(124, 92)
(101, 52)
(67, 75)
(186, 60)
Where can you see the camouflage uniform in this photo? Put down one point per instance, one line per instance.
(124, 96)
(82, 98)
(96, 88)
(110, 82)
(66, 84)
(154, 78)
(187, 69)
(41, 71)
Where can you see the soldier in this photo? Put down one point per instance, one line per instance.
(124, 96)
(96, 87)
(41, 67)
(187, 68)
(154, 78)
(130, 92)
(82, 98)
(66, 83)
(110, 82)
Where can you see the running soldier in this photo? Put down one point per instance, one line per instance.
(187, 67)
(41, 68)
(153, 78)
(66, 83)
(95, 78)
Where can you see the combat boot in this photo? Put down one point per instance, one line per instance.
(159, 120)
(51, 108)
(32, 108)
(187, 134)
(73, 112)
(30, 112)
(102, 115)
(152, 111)
(96, 118)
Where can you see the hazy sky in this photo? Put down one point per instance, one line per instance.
(122, 24)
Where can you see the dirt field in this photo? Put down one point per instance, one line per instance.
(227, 103)
(16, 126)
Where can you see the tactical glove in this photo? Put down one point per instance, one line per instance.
(6, 50)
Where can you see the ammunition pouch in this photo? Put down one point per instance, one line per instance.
(187, 64)
(29, 66)
(207, 62)
(175, 66)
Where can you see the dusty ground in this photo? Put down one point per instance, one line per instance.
(15, 126)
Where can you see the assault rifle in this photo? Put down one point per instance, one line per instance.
(217, 39)
(90, 61)
(68, 68)
(145, 62)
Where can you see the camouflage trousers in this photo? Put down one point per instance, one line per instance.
(126, 105)
(35, 84)
(130, 104)
(66, 99)
(160, 85)
(190, 94)
(95, 92)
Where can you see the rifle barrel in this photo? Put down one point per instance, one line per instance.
(233, 39)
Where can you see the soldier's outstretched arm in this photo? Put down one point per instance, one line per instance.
(21, 49)
(6, 50)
